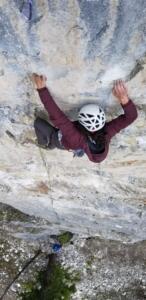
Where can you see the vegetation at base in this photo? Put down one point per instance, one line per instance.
(53, 283)
(65, 237)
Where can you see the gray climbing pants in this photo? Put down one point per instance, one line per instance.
(47, 135)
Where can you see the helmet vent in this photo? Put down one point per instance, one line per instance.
(90, 116)
(87, 122)
(83, 115)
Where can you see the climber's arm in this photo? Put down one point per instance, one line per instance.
(121, 122)
(130, 111)
(58, 118)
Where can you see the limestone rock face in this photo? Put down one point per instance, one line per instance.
(81, 46)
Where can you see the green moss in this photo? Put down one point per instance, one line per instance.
(65, 237)
(77, 276)
(90, 261)
(55, 283)
(28, 287)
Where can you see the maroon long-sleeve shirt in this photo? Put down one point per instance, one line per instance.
(72, 138)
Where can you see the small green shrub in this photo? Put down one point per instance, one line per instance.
(65, 237)
(58, 284)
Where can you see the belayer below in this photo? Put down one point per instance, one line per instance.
(90, 134)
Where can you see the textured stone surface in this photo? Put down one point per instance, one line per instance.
(109, 270)
(81, 46)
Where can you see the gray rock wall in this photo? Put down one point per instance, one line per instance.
(81, 46)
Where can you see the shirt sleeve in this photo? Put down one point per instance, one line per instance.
(60, 120)
(124, 120)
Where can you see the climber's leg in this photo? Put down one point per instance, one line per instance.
(44, 132)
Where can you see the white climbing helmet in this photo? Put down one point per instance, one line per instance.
(92, 117)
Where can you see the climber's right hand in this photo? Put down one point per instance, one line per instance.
(39, 80)
(120, 91)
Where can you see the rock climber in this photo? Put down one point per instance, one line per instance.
(90, 134)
